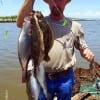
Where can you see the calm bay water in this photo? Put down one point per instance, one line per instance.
(8, 48)
(92, 37)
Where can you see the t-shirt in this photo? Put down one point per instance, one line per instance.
(66, 37)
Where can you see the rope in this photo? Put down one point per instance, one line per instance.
(93, 66)
(95, 71)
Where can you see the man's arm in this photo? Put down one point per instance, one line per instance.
(81, 44)
(87, 54)
(24, 11)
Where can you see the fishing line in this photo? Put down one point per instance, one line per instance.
(57, 8)
(65, 21)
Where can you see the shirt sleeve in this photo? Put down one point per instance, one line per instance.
(79, 39)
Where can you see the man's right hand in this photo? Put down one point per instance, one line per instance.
(26, 8)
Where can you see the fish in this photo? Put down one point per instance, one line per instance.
(37, 45)
(34, 85)
(26, 55)
(48, 34)
(34, 43)
(24, 48)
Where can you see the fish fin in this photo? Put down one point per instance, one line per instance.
(46, 58)
(24, 76)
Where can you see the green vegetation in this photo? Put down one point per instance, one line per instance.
(8, 18)
(13, 19)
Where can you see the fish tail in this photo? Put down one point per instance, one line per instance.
(46, 58)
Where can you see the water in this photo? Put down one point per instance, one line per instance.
(8, 48)
(92, 37)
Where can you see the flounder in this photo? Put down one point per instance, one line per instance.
(47, 34)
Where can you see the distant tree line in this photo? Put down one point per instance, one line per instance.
(8, 18)
(13, 19)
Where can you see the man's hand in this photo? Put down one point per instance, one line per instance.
(87, 54)
(26, 8)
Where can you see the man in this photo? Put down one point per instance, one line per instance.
(59, 70)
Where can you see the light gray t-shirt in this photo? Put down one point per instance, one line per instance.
(65, 39)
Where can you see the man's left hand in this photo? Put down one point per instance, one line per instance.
(87, 54)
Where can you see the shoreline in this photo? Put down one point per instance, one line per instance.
(5, 20)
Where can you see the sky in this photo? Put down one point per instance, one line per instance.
(76, 8)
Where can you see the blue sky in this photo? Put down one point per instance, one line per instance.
(76, 8)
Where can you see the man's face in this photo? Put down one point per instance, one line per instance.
(57, 6)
